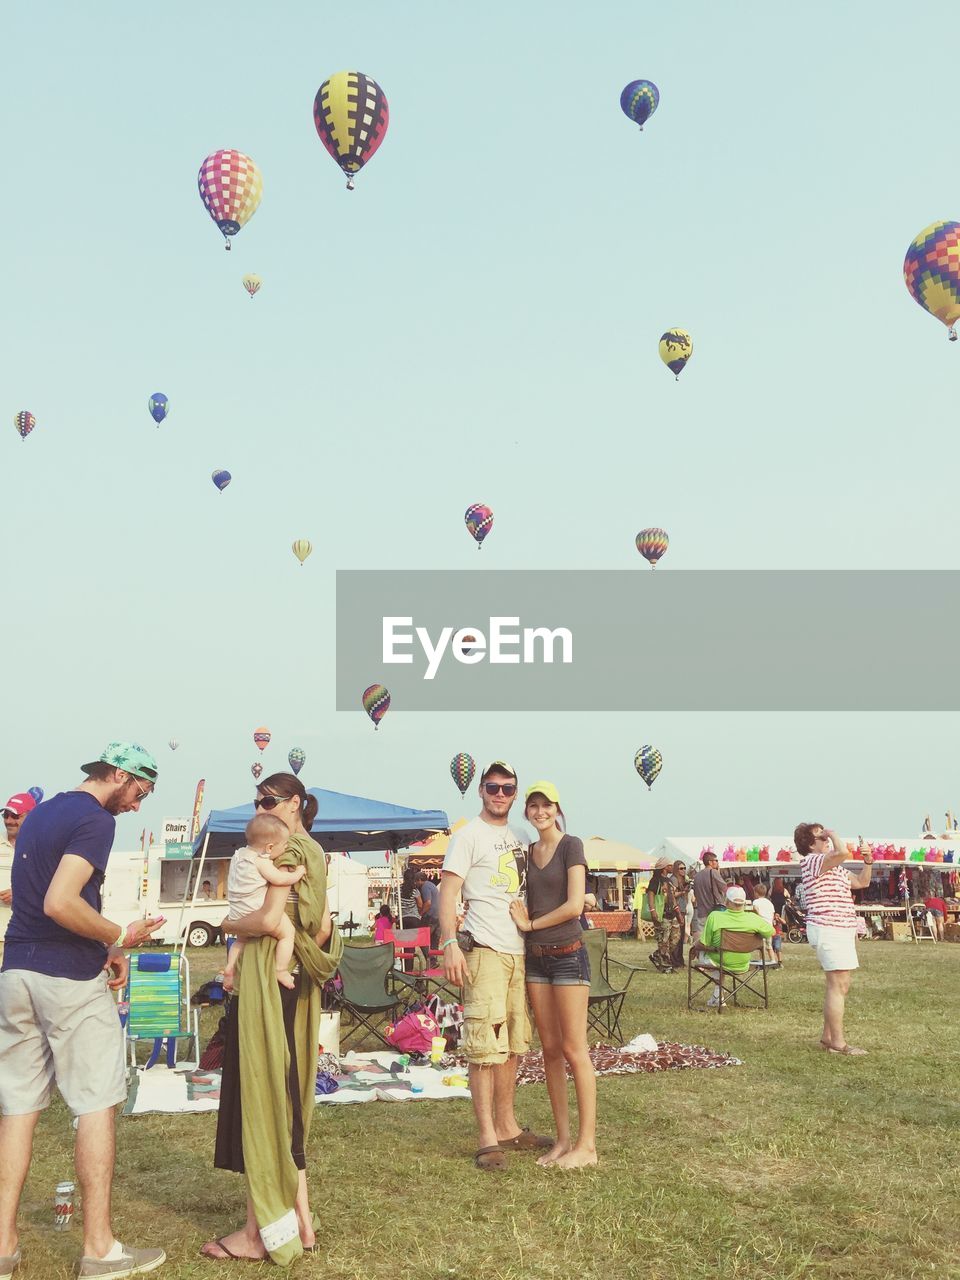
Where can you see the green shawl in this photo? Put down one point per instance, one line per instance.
(267, 1115)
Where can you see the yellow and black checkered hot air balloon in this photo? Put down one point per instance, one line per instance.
(351, 115)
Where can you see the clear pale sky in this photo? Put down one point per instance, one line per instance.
(477, 322)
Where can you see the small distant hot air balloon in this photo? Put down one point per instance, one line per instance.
(221, 479)
(652, 543)
(173, 744)
(230, 186)
(37, 793)
(302, 548)
(252, 284)
(296, 759)
(158, 406)
(261, 736)
(462, 769)
(351, 116)
(931, 270)
(256, 770)
(376, 703)
(647, 763)
(479, 522)
(639, 100)
(676, 348)
(24, 421)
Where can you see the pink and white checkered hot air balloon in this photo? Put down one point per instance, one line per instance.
(230, 186)
(261, 737)
(479, 522)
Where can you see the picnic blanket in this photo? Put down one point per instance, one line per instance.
(609, 1061)
(172, 1089)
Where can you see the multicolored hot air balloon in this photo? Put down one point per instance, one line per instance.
(376, 703)
(221, 479)
(230, 186)
(647, 763)
(462, 769)
(351, 115)
(173, 744)
(676, 348)
(251, 284)
(158, 406)
(302, 548)
(37, 793)
(24, 421)
(256, 770)
(479, 522)
(931, 270)
(261, 736)
(652, 543)
(297, 759)
(639, 101)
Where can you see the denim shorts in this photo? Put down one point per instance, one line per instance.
(572, 970)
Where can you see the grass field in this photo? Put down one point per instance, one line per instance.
(797, 1164)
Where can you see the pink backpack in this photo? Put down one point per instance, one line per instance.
(414, 1032)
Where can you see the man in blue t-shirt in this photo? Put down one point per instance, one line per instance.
(58, 1021)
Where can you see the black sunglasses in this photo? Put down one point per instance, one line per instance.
(508, 788)
(268, 802)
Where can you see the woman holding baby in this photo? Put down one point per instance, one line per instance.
(271, 1039)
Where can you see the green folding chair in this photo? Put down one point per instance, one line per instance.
(156, 1005)
(367, 993)
(605, 1002)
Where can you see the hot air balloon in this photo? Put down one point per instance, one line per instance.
(230, 186)
(296, 759)
(158, 406)
(221, 479)
(24, 421)
(251, 284)
(931, 270)
(479, 522)
(639, 101)
(173, 744)
(261, 736)
(462, 769)
(256, 770)
(302, 548)
(652, 543)
(647, 763)
(351, 115)
(37, 793)
(376, 703)
(676, 348)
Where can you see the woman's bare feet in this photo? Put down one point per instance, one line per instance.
(286, 979)
(577, 1158)
(559, 1148)
(236, 1245)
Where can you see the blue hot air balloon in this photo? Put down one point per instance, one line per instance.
(221, 479)
(158, 407)
(639, 101)
(37, 793)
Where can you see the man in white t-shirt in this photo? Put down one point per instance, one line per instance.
(486, 861)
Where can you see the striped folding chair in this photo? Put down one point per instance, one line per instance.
(157, 1004)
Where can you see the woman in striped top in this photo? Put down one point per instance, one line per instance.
(832, 920)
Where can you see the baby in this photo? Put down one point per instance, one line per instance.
(252, 869)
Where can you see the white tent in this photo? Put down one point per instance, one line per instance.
(689, 849)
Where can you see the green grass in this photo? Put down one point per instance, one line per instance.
(797, 1164)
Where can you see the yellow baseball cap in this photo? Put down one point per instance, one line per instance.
(544, 789)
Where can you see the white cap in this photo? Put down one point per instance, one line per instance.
(736, 894)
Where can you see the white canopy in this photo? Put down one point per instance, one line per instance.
(689, 848)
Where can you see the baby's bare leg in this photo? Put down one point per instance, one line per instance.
(284, 935)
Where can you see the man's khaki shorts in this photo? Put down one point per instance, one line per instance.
(57, 1031)
(495, 1022)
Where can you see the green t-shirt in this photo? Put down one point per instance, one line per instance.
(736, 921)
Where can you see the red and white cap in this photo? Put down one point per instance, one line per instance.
(20, 804)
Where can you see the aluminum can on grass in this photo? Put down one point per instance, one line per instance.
(63, 1206)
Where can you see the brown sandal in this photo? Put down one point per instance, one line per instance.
(490, 1158)
(227, 1255)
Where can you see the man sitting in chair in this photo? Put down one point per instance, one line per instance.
(733, 917)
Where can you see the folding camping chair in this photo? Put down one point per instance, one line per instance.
(730, 984)
(365, 995)
(604, 1002)
(157, 1005)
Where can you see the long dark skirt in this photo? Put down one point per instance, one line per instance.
(228, 1151)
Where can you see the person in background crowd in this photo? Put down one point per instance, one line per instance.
(383, 923)
(731, 916)
(589, 904)
(831, 920)
(779, 894)
(58, 1020)
(205, 890)
(709, 888)
(664, 915)
(411, 904)
(430, 907)
(14, 812)
(683, 890)
(938, 912)
(763, 907)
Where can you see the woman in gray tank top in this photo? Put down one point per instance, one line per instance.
(558, 972)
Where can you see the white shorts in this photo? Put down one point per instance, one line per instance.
(836, 948)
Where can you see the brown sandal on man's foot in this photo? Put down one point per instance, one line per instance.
(490, 1159)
